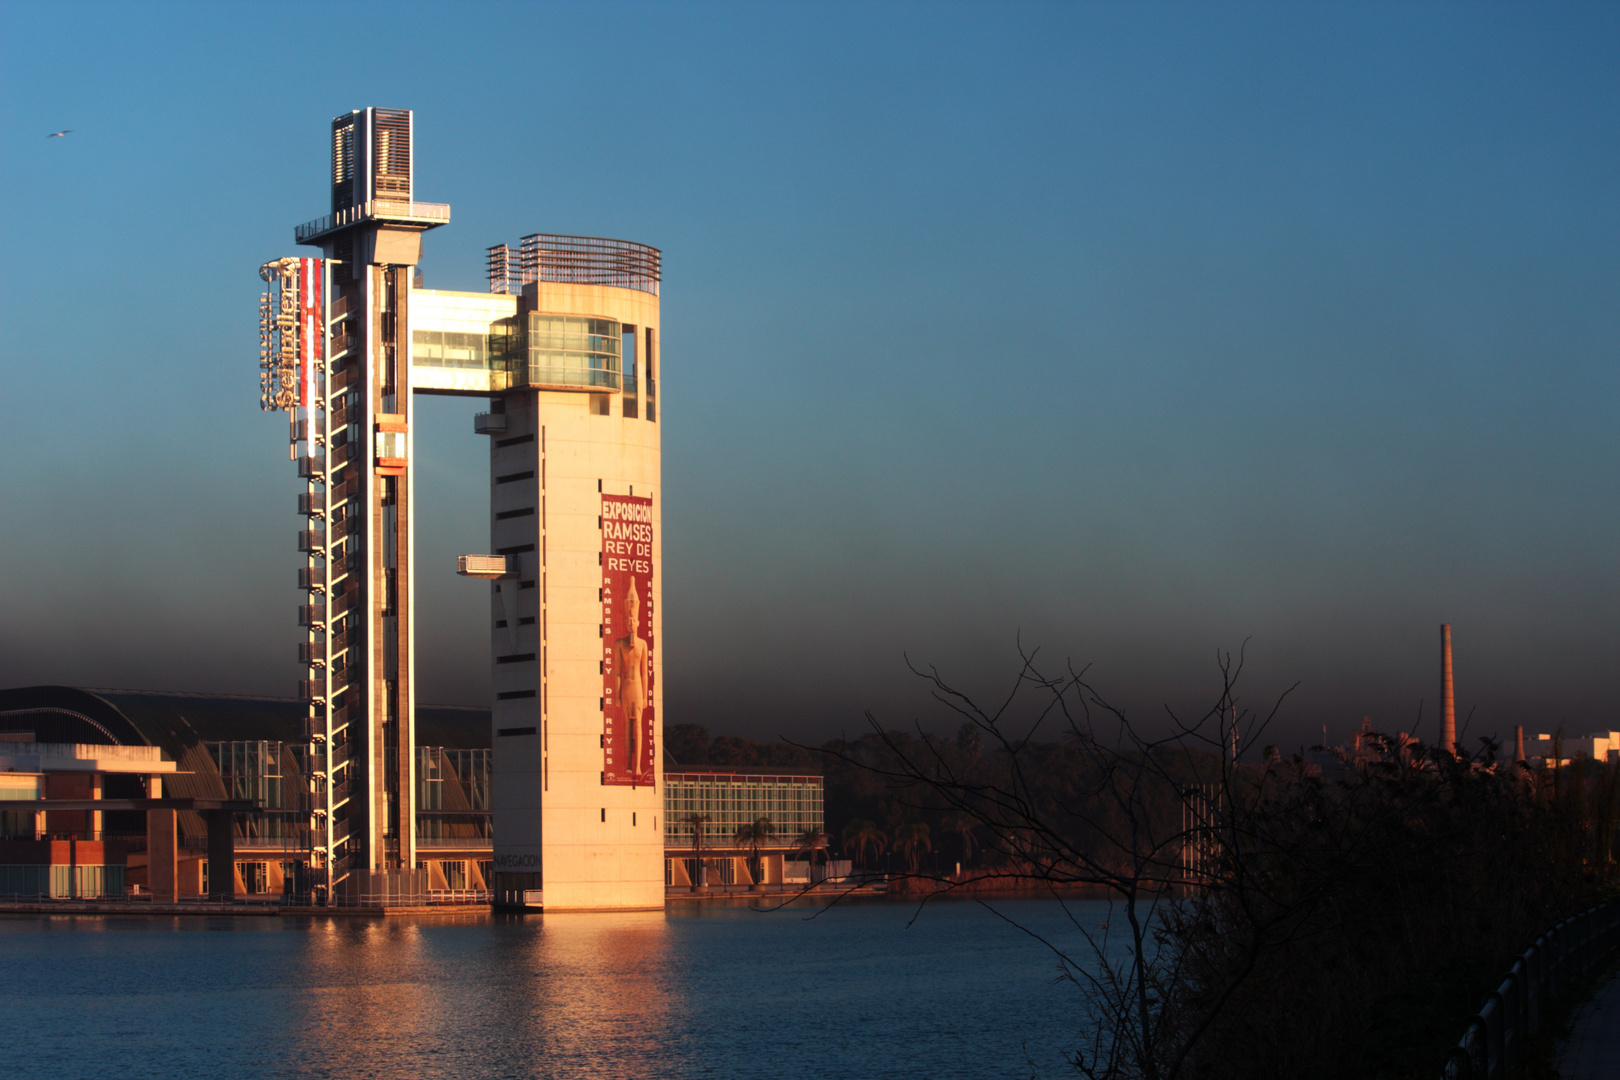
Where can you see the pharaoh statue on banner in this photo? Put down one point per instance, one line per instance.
(631, 657)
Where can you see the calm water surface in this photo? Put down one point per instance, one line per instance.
(722, 992)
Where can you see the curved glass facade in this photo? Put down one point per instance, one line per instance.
(570, 351)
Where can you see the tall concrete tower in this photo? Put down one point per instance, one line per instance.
(576, 605)
(346, 353)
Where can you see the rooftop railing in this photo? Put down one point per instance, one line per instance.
(574, 260)
(82, 751)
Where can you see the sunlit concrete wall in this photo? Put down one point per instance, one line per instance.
(558, 829)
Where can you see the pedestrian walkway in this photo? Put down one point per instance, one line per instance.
(1593, 1049)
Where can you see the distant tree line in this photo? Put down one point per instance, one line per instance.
(876, 822)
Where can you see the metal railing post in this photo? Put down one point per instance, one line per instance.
(1494, 1040)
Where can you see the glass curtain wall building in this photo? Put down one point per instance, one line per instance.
(706, 806)
(729, 800)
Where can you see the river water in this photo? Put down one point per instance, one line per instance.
(694, 992)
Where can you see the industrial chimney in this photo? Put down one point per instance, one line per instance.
(1448, 702)
(1518, 742)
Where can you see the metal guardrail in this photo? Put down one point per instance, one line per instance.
(428, 898)
(51, 898)
(1516, 1010)
(459, 896)
(76, 834)
(375, 209)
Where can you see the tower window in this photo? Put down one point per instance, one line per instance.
(627, 364)
(392, 147)
(343, 177)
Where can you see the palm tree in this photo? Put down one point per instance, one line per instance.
(911, 841)
(697, 821)
(757, 832)
(963, 827)
(863, 837)
(811, 841)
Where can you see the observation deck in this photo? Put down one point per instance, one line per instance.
(396, 212)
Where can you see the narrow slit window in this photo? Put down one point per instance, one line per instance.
(627, 353)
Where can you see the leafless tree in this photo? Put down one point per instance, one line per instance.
(1113, 827)
(1215, 868)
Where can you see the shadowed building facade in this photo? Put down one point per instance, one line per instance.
(234, 779)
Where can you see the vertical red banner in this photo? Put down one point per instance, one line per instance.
(628, 724)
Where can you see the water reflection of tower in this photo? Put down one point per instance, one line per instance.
(582, 994)
(603, 992)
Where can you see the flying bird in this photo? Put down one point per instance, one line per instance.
(59, 134)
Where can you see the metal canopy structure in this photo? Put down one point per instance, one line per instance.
(574, 260)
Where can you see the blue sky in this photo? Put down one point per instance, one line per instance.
(1138, 331)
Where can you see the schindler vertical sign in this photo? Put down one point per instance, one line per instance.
(312, 333)
(627, 645)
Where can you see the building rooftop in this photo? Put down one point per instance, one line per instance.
(176, 721)
(672, 766)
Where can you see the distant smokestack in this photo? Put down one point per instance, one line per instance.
(1518, 743)
(1448, 702)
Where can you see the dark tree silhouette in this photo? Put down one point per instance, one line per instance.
(1260, 911)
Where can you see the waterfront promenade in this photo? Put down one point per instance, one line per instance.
(258, 906)
(1592, 1051)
